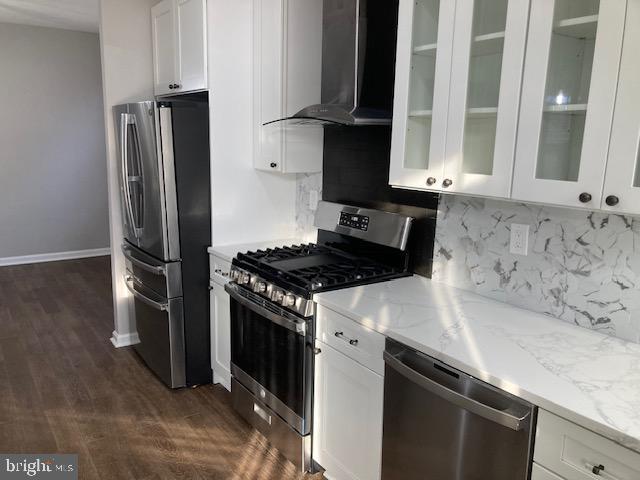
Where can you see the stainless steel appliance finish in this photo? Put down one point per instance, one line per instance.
(384, 228)
(444, 424)
(287, 440)
(268, 290)
(272, 314)
(160, 325)
(148, 201)
(358, 59)
(165, 198)
(164, 278)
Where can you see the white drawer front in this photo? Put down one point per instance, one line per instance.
(573, 452)
(357, 342)
(539, 473)
(219, 268)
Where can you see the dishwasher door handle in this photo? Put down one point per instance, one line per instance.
(502, 417)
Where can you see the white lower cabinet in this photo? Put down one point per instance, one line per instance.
(220, 320)
(540, 473)
(347, 426)
(574, 453)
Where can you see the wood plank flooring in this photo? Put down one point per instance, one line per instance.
(65, 389)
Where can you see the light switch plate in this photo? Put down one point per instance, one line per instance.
(519, 239)
(313, 199)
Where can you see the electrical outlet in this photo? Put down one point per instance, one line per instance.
(313, 200)
(519, 239)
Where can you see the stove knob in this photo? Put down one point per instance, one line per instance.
(289, 300)
(260, 287)
(234, 274)
(278, 296)
(244, 278)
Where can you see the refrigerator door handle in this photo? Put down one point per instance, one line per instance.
(155, 269)
(143, 298)
(124, 159)
(139, 220)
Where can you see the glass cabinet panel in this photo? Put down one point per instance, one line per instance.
(485, 71)
(421, 83)
(569, 70)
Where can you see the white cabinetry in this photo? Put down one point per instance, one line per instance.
(179, 46)
(287, 59)
(458, 78)
(533, 104)
(569, 88)
(220, 318)
(347, 424)
(566, 451)
(622, 179)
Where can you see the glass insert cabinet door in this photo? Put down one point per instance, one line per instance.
(574, 50)
(622, 180)
(423, 70)
(488, 56)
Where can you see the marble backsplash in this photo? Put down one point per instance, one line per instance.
(305, 183)
(582, 267)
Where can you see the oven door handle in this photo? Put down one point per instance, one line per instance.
(507, 418)
(298, 327)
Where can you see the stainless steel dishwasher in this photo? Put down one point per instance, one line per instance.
(442, 424)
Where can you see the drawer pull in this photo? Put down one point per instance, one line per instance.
(261, 413)
(220, 272)
(352, 341)
(600, 471)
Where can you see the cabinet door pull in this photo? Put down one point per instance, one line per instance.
(171, 87)
(612, 200)
(599, 470)
(352, 341)
(447, 183)
(431, 180)
(584, 197)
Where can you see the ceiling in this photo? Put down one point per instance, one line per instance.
(82, 15)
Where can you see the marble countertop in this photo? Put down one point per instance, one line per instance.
(227, 252)
(578, 374)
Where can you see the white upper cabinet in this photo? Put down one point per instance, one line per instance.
(569, 88)
(191, 27)
(164, 56)
(179, 46)
(488, 55)
(287, 61)
(423, 69)
(458, 79)
(622, 180)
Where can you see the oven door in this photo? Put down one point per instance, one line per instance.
(272, 355)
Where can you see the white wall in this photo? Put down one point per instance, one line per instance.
(53, 188)
(248, 205)
(125, 41)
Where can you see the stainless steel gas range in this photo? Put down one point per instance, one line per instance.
(272, 314)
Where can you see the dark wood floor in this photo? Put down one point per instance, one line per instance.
(65, 389)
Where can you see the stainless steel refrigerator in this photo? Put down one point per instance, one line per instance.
(164, 176)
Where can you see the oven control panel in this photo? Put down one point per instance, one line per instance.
(352, 220)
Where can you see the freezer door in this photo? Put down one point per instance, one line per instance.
(160, 325)
(144, 182)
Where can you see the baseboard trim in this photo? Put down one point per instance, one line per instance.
(54, 257)
(124, 340)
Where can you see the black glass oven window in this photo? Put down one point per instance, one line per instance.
(271, 354)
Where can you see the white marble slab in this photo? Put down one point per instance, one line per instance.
(228, 252)
(581, 375)
(582, 267)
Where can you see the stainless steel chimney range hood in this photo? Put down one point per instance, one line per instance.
(358, 65)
